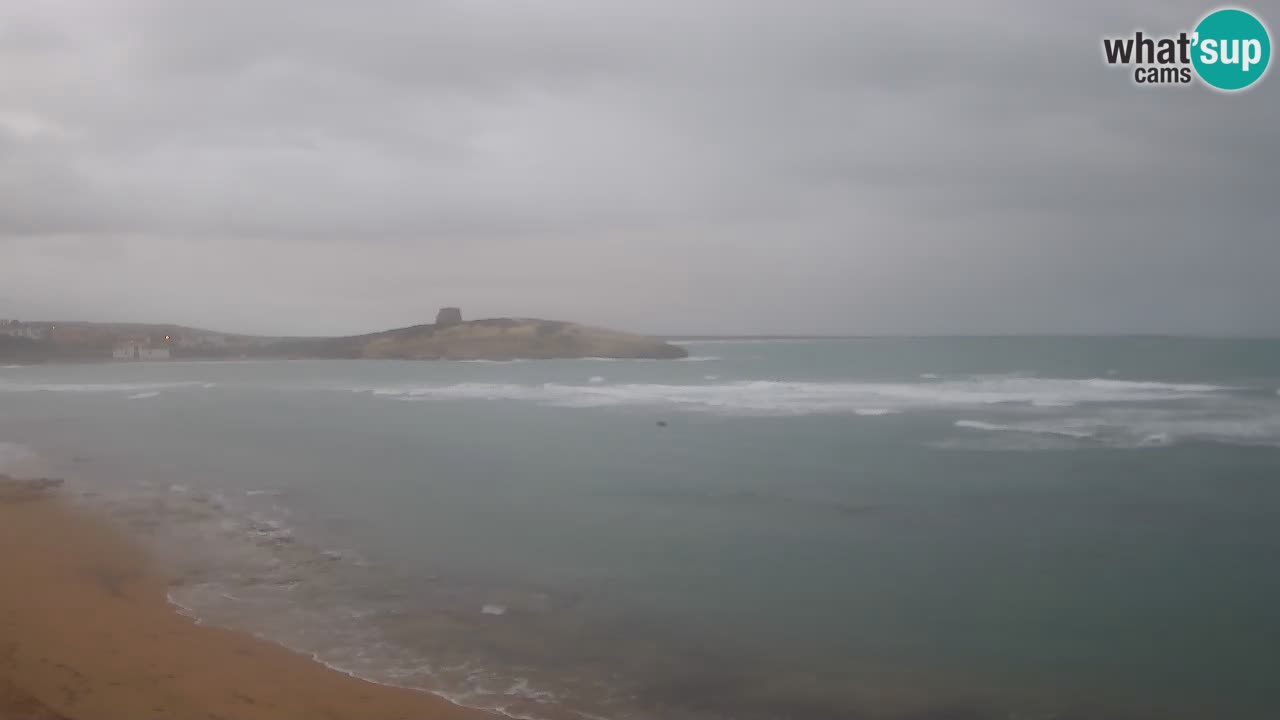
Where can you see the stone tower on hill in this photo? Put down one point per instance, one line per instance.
(448, 316)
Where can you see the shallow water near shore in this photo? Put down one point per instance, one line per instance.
(1031, 528)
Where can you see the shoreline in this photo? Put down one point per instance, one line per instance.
(87, 632)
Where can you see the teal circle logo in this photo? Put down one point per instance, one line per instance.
(1232, 49)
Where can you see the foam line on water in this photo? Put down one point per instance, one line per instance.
(1027, 428)
(92, 388)
(237, 543)
(1137, 428)
(452, 698)
(772, 397)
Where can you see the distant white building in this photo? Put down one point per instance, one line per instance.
(139, 350)
(15, 328)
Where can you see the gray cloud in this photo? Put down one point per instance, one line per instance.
(815, 166)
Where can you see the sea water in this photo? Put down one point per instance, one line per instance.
(879, 527)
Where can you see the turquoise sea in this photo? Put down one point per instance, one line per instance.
(924, 529)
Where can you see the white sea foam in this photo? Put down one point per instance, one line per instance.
(133, 388)
(1156, 440)
(1136, 427)
(1260, 430)
(981, 425)
(521, 688)
(596, 379)
(805, 398)
(698, 358)
(144, 395)
(1039, 429)
(245, 570)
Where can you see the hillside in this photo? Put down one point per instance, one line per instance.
(511, 338)
(449, 338)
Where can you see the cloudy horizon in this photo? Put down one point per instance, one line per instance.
(718, 166)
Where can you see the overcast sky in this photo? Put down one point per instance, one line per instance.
(683, 166)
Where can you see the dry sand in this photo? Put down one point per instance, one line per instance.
(87, 634)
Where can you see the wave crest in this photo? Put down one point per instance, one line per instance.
(804, 398)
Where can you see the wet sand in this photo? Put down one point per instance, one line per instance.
(86, 633)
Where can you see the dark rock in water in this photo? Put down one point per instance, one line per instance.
(449, 316)
(662, 423)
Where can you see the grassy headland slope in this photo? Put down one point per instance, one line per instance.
(512, 338)
(490, 339)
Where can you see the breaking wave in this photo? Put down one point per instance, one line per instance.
(1149, 428)
(805, 398)
(242, 564)
(1097, 411)
(1038, 429)
(132, 388)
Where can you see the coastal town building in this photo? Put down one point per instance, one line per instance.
(140, 349)
(17, 328)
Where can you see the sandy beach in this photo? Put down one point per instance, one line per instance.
(86, 633)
